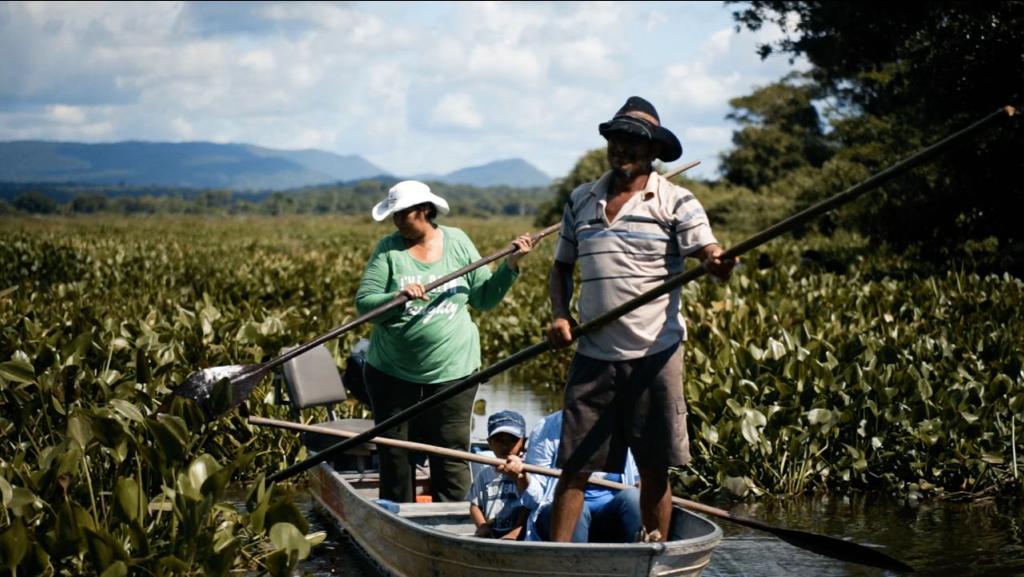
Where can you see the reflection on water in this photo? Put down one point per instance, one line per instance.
(938, 539)
(504, 393)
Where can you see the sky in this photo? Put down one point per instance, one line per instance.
(414, 88)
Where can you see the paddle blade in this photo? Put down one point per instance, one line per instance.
(217, 390)
(840, 549)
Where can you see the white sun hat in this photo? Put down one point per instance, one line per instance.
(405, 194)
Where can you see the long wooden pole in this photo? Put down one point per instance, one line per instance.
(821, 544)
(243, 379)
(669, 285)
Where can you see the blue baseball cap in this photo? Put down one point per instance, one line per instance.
(506, 422)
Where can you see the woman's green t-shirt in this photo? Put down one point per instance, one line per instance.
(435, 340)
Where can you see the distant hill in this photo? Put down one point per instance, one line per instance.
(186, 164)
(206, 165)
(514, 172)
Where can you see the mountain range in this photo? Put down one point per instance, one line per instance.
(240, 167)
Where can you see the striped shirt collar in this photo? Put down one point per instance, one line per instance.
(600, 188)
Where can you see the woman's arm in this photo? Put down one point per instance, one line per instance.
(372, 291)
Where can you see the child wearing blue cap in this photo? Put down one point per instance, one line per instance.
(495, 505)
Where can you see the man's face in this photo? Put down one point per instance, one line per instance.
(628, 154)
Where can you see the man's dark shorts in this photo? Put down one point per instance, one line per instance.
(610, 405)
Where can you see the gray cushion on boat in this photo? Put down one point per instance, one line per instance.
(313, 379)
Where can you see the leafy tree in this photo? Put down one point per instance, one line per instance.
(36, 203)
(901, 77)
(89, 203)
(781, 132)
(588, 168)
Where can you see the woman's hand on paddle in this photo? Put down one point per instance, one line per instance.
(524, 243)
(560, 332)
(414, 291)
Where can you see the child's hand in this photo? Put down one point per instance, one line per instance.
(513, 467)
(484, 530)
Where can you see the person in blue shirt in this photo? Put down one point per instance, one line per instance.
(609, 516)
(495, 505)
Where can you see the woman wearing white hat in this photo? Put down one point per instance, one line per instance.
(431, 342)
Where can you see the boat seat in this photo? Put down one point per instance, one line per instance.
(313, 380)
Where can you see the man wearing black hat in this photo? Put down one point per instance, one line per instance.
(628, 231)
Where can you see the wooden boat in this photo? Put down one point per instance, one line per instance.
(437, 539)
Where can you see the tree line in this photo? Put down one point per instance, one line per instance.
(348, 198)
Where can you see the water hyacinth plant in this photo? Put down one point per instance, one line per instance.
(805, 379)
(845, 371)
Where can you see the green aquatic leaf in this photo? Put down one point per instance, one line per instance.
(201, 468)
(18, 371)
(127, 410)
(13, 544)
(819, 416)
(285, 512)
(116, 569)
(281, 562)
(6, 492)
(80, 429)
(286, 536)
(128, 500)
(219, 564)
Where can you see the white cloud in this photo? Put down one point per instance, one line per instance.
(182, 129)
(587, 58)
(457, 110)
(258, 60)
(505, 63)
(709, 134)
(412, 87)
(719, 42)
(696, 87)
(66, 114)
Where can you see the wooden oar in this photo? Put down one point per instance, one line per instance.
(669, 285)
(681, 169)
(219, 389)
(821, 544)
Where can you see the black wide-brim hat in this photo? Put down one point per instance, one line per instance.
(639, 118)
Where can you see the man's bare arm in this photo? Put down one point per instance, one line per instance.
(711, 256)
(560, 287)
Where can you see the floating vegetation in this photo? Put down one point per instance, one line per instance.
(829, 367)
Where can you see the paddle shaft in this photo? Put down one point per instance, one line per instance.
(681, 169)
(823, 544)
(670, 284)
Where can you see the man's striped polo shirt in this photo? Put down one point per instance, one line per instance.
(621, 259)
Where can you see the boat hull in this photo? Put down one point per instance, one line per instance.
(435, 539)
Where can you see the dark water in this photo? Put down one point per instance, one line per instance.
(938, 539)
